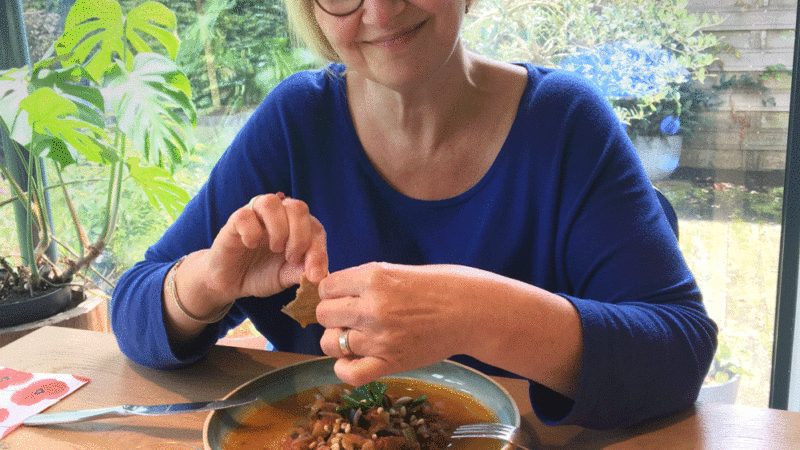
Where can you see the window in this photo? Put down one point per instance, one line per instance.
(709, 114)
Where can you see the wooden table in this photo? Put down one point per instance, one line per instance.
(115, 380)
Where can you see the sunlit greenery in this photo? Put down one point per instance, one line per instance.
(546, 32)
(80, 114)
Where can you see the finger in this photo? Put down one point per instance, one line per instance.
(351, 281)
(246, 227)
(270, 210)
(299, 221)
(252, 200)
(329, 343)
(316, 258)
(357, 371)
(290, 275)
(340, 312)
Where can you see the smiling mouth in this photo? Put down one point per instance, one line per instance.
(400, 38)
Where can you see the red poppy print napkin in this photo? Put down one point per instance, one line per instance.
(24, 394)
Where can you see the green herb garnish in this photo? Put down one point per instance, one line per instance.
(418, 401)
(365, 397)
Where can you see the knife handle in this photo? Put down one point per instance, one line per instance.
(75, 416)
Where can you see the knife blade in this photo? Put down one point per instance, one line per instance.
(133, 410)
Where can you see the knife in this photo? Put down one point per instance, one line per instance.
(133, 410)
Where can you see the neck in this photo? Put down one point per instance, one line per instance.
(421, 115)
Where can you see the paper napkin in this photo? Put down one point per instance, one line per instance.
(24, 394)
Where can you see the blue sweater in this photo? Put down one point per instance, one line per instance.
(566, 206)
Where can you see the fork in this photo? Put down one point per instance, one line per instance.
(509, 433)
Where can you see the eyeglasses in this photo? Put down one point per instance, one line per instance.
(339, 8)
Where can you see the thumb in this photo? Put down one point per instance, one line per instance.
(290, 274)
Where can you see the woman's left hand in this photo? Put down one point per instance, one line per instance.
(400, 318)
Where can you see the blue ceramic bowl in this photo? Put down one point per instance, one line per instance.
(288, 380)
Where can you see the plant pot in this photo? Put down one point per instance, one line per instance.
(85, 311)
(720, 392)
(659, 154)
(22, 308)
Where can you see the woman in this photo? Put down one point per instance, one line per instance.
(491, 213)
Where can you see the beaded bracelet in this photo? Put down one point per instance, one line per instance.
(172, 291)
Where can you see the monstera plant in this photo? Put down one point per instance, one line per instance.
(111, 99)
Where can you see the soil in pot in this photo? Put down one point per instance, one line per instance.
(18, 305)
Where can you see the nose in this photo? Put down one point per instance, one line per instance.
(380, 12)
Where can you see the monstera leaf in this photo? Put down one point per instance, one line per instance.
(155, 20)
(13, 89)
(50, 114)
(16, 84)
(106, 99)
(53, 148)
(158, 187)
(153, 106)
(67, 81)
(94, 33)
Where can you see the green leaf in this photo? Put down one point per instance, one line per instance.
(418, 401)
(93, 33)
(201, 30)
(370, 394)
(156, 20)
(50, 114)
(13, 89)
(66, 81)
(153, 93)
(377, 390)
(55, 149)
(159, 187)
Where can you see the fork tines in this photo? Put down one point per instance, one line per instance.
(495, 430)
(500, 431)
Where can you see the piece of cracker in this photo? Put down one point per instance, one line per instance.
(303, 308)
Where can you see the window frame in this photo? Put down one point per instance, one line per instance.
(784, 392)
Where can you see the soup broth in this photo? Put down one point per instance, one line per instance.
(268, 425)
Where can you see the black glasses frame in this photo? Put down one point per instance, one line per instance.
(339, 14)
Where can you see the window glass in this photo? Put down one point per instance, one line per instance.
(707, 111)
(708, 114)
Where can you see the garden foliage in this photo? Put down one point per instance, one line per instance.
(622, 42)
(112, 98)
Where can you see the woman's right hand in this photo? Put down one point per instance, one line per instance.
(265, 247)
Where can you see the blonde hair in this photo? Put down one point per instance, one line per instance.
(304, 26)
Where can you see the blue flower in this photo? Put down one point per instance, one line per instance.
(670, 125)
(627, 69)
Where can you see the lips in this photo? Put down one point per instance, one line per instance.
(400, 37)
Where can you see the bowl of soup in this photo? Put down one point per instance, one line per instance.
(297, 402)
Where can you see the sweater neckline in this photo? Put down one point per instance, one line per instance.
(343, 111)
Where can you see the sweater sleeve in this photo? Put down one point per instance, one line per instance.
(647, 339)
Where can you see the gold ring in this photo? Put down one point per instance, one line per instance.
(344, 342)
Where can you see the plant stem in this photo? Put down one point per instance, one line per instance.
(112, 212)
(89, 267)
(27, 250)
(114, 191)
(24, 198)
(83, 241)
(42, 211)
(19, 194)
